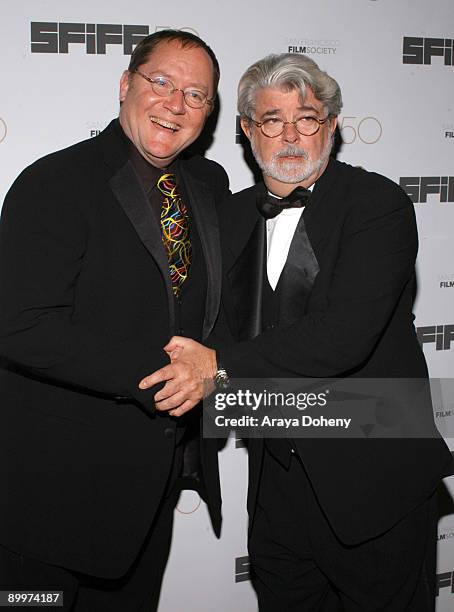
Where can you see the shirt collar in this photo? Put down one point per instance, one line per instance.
(146, 172)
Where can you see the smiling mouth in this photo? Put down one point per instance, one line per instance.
(173, 127)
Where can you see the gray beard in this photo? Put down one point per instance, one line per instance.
(290, 172)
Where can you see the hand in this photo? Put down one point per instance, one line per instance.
(183, 387)
(191, 351)
(187, 380)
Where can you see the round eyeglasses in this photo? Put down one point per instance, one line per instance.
(306, 126)
(165, 88)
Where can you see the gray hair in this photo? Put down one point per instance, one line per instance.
(288, 71)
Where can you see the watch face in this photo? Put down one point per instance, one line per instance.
(221, 379)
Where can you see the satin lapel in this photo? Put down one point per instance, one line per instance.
(245, 238)
(246, 283)
(237, 223)
(133, 200)
(204, 212)
(297, 278)
(317, 215)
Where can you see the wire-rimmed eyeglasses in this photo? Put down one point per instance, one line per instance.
(164, 87)
(274, 126)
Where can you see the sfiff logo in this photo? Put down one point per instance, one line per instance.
(417, 50)
(242, 569)
(440, 335)
(445, 581)
(57, 37)
(419, 187)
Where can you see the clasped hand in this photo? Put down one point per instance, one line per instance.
(188, 378)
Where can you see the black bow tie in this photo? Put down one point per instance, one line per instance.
(269, 207)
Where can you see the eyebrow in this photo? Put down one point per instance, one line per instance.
(276, 111)
(155, 73)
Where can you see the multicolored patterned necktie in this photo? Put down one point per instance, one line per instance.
(175, 232)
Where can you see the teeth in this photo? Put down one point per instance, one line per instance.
(166, 124)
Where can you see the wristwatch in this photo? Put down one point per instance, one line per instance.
(221, 378)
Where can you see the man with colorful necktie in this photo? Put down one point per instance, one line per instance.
(319, 281)
(115, 249)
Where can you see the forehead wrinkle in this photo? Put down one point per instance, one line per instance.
(278, 111)
(309, 107)
(274, 111)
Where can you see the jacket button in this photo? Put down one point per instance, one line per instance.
(169, 432)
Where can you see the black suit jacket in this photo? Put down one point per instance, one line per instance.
(86, 306)
(357, 321)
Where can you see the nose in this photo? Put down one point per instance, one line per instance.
(175, 102)
(290, 133)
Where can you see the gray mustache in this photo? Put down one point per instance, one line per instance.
(291, 150)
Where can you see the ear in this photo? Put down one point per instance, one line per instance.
(210, 108)
(124, 84)
(333, 122)
(246, 127)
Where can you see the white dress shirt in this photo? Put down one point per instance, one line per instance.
(279, 235)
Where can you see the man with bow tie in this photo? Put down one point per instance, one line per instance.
(319, 281)
(107, 249)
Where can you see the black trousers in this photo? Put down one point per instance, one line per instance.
(136, 591)
(299, 565)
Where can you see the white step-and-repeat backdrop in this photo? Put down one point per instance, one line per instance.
(60, 66)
